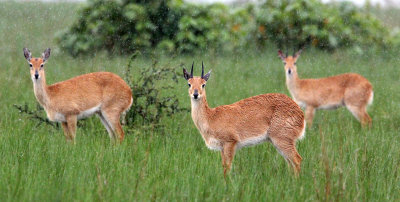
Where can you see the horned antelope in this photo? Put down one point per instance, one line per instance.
(350, 90)
(102, 93)
(269, 117)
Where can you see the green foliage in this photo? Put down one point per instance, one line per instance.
(149, 103)
(203, 27)
(292, 24)
(365, 29)
(169, 25)
(214, 27)
(165, 16)
(176, 26)
(243, 28)
(119, 27)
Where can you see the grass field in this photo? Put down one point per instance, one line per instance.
(341, 161)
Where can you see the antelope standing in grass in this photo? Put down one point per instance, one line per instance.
(350, 90)
(102, 93)
(269, 117)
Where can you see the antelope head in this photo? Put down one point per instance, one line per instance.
(290, 62)
(197, 85)
(36, 65)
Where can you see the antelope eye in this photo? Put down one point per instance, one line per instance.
(30, 65)
(284, 63)
(294, 63)
(41, 66)
(189, 85)
(204, 85)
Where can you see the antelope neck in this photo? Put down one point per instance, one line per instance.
(200, 109)
(40, 89)
(292, 80)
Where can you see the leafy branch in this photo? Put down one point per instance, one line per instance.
(36, 115)
(149, 102)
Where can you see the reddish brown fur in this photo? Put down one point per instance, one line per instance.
(272, 116)
(351, 90)
(70, 98)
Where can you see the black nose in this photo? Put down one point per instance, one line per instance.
(36, 76)
(195, 95)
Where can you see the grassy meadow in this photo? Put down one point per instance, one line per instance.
(341, 160)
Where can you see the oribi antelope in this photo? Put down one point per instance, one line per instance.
(101, 93)
(350, 90)
(268, 117)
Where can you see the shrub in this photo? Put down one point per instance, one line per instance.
(203, 27)
(35, 114)
(126, 26)
(214, 27)
(169, 25)
(243, 28)
(119, 26)
(296, 23)
(365, 29)
(149, 103)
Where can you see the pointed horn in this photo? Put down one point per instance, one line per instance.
(202, 69)
(191, 71)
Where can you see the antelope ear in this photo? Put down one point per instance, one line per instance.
(186, 75)
(297, 55)
(46, 54)
(27, 54)
(207, 76)
(281, 55)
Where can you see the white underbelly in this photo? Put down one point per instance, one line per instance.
(252, 141)
(214, 144)
(88, 112)
(333, 105)
(60, 117)
(330, 106)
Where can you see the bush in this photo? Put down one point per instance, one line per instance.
(126, 26)
(214, 27)
(296, 23)
(149, 103)
(35, 114)
(119, 26)
(365, 29)
(203, 27)
(243, 28)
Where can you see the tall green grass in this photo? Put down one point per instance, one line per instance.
(341, 161)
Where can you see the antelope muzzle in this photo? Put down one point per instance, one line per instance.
(196, 94)
(36, 74)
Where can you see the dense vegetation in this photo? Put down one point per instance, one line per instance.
(149, 103)
(177, 26)
(296, 23)
(341, 161)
